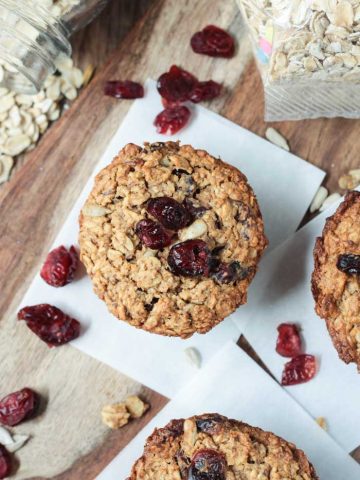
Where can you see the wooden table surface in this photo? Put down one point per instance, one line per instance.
(69, 441)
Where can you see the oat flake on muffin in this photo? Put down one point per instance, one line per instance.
(335, 280)
(171, 238)
(212, 447)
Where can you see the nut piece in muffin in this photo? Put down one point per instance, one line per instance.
(213, 447)
(335, 280)
(171, 238)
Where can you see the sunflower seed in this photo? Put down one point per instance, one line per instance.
(93, 210)
(196, 230)
(334, 197)
(319, 199)
(276, 138)
(193, 356)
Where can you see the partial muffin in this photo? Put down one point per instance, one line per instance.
(171, 238)
(335, 280)
(212, 447)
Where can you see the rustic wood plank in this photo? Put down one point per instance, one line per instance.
(41, 193)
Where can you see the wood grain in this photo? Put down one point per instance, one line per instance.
(38, 198)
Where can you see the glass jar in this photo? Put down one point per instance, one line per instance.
(34, 33)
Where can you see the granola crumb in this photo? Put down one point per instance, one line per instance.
(322, 423)
(350, 180)
(135, 406)
(115, 416)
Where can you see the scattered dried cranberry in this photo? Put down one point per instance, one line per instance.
(213, 41)
(207, 464)
(196, 212)
(169, 104)
(171, 120)
(230, 272)
(349, 263)
(18, 406)
(176, 84)
(205, 91)
(170, 213)
(152, 234)
(288, 343)
(191, 258)
(60, 266)
(5, 462)
(126, 89)
(50, 324)
(300, 369)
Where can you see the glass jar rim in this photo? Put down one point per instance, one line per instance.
(33, 57)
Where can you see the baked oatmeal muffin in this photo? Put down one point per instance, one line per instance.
(212, 447)
(335, 280)
(171, 238)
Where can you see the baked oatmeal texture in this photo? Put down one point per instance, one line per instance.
(213, 447)
(136, 282)
(337, 293)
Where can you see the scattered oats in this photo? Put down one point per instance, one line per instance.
(23, 118)
(6, 102)
(195, 230)
(319, 199)
(115, 416)
(322, 423)
(193, 356)
(88, 74)
(45, 105)
(16, 145)
(64, 63)
(93, 210)
(135, 406)
(53, 91)
(329, 201)
(68, 90)
(276, 138)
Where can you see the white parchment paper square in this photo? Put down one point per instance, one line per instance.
(281, 293)
(285, 186)
(233, 385)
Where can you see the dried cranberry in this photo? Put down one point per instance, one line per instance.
(18, 406)
(171, 120)
(349, 263)
(190, 258)
(230, 272)
(176, 84)
(169, 104)
(196, 212)
(170, 213)
(208, 424)
(50, 324)
(205, 91)
(60, 266)
(300, 369)
(207, 464)
(5, 462)
(288, 343)
(126, 89)
(152, 234)
(213, 41)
